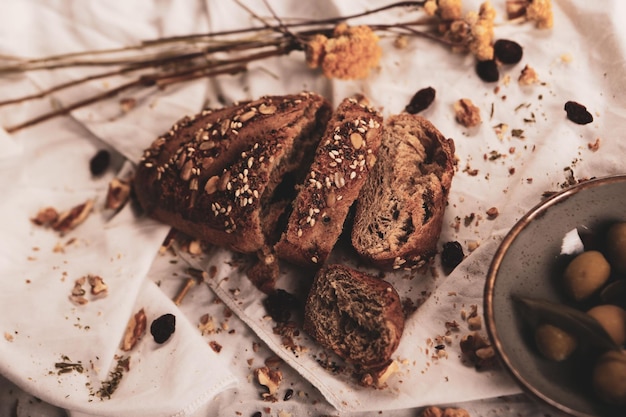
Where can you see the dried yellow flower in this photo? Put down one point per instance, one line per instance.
(481, 43)
(445, 9)
(474, 32)
(349, 54)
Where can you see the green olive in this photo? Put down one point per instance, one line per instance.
(585, 274)
(609, 377)
(554, 343)
(616, 247)
(613, 319)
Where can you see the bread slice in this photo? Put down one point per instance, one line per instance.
(355, 315)
(399, 213)
(224, 176)
(341, 165)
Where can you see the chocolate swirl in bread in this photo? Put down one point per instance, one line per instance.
(225, 176)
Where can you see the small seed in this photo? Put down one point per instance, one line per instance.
(247, 116)
(578, 113)
(421, 100)
(206, 145)
(488, 70)
(267, 109)
(185, 173)
(211, 185)
(507, 52)
(357, 140)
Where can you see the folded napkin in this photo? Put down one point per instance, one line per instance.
(67, 351)
(496, 168)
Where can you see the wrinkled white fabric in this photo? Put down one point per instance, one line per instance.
(581, 59)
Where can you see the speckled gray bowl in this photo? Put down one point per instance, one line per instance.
(525, 265)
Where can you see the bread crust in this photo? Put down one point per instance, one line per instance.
(400, 210)
(213, 175)
(342, 162)
(355, 315)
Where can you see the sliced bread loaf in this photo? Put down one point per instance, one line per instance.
(355, 315)
(399, 213)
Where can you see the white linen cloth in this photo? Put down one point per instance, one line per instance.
(581, 59)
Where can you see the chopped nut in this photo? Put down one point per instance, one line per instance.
(492, 213)
(467, 113)
(269, 378)
(98, 287)
(478, 351)
(431, 411)
(594, 146)
(528, 76)
(474, 323)
(134, 330)
(117, 194)
(47, 216)
(127, 104)
(73, 217)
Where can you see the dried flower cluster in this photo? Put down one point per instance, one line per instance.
(349, 54)
(341, 51)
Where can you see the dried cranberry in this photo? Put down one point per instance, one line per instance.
(421, 100)
(488, 70)
(578, 113)
(452, 254)
(99, 162)
(163, 327)
(507, 52)
(279, 304)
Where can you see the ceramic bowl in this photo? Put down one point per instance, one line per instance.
(525, 265)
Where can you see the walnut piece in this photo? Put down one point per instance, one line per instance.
(467, 113)
(47, 216)
(98, 286)
(270, 379)
(73, 217)
(135, 329)
(117, 194)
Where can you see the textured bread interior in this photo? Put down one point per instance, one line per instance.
(404, 173)
(349, 316)
(291, 170)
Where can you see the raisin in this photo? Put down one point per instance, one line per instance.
(578, 113)
(99, 162)
(452, 254)
(421, 100)
(257, 414)
(163, 327)
(488, 70)
(507, 52)
(279, 304)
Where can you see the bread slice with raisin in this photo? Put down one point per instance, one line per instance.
(342, 162)
(355, 315)
(225, 176)
(399, 213)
